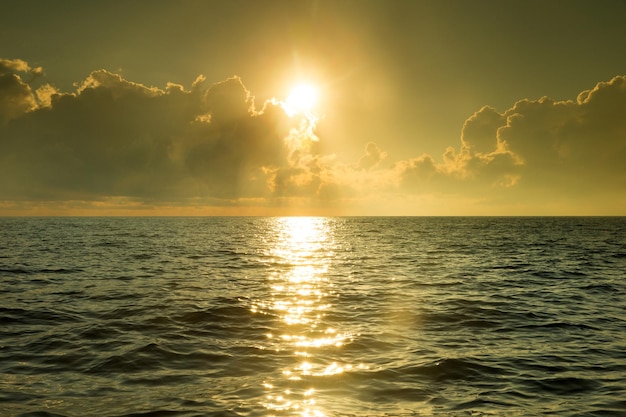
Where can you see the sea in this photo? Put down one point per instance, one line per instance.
(312, 316)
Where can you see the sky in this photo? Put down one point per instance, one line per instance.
(423, 107)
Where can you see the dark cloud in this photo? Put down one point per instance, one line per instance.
(16, 96)
(113, 137)
(541, 148)
(571, 146)
(229, 102)
(479, 135)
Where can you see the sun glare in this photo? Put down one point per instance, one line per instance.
(301, 99)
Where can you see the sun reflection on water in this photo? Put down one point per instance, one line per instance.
(301, 293)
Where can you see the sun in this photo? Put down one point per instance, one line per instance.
(301, 99)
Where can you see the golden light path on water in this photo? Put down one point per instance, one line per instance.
(301, 293)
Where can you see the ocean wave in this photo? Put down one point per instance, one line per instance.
(396, 317)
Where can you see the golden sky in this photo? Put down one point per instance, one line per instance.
(435, 107)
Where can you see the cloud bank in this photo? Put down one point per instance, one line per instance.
(570, 148)
(212, 145)
(115, 138)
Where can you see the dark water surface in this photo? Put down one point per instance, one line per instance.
(312, 316)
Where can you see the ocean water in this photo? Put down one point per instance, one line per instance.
(363, 316)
